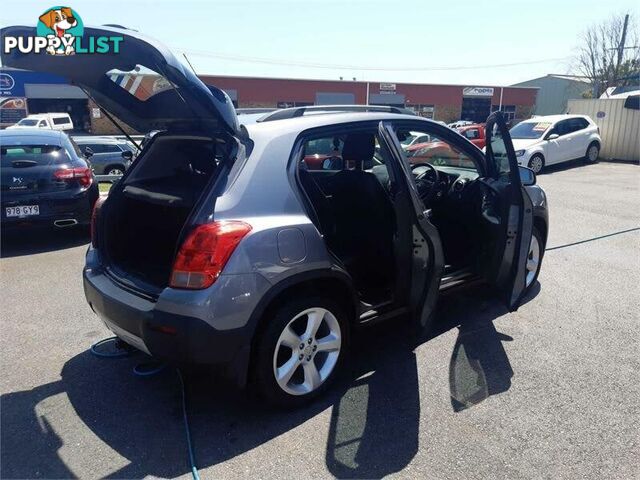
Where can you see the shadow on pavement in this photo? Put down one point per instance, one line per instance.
(29, 241)
(375, 407)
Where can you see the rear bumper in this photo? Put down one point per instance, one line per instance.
(53, 207)
(179, 326)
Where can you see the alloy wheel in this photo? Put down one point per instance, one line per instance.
(115, 171)
(592, 153)
(533, 260)
(307, 351)
(536, 164)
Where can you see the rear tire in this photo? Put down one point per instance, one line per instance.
(536, 163)
(293, 365)
(593, 152)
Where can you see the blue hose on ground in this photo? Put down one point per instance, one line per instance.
(192, 457)
(140, 371)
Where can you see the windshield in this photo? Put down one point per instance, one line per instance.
(529, 130)
(28, 122)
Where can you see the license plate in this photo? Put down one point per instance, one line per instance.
(23, 211)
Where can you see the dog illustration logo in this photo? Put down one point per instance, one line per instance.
(62, 23)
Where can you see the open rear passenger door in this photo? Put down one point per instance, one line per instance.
(515, 212)
(425, 247)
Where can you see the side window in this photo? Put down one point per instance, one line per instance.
(110, 148)
(323, 154)
(436, 152)
(95, 147)
(562, 128)
(342, 152)
(42, 124)
(578, 124)
(499, 149)
(472, 133)
(60, 120)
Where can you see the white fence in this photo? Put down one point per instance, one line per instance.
(619, 126)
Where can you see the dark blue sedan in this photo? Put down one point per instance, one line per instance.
(45, 180)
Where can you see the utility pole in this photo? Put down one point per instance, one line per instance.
(623, 39)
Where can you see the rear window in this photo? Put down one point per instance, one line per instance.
(141, 82)
(40, 154)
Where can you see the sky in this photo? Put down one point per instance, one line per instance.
(444, 41)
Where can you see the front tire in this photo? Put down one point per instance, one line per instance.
(534, 259)
(301, 350)
(536, 163)
(593, 152)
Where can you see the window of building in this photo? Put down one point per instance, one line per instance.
(426, 111)
(509, 111)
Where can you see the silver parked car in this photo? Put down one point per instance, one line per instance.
(260, 247)
(107, 156)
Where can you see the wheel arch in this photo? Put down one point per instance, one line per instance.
(596, 141)
(334, 283)
(540, 223)
(114, 165)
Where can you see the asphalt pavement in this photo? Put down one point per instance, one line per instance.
(550, 391)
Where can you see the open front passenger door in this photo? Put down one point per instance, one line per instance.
(514, 209)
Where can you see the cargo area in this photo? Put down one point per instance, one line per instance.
(145, 218)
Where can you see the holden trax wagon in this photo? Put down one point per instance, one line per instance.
(259, 248)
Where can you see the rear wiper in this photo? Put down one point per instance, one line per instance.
(23, 163)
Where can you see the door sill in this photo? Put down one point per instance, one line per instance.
(455, 278)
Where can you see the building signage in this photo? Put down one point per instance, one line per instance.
(387, 88)
(6, 84)
(477, 91)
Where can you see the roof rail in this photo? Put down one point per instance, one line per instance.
(242, 111)
(294, 112)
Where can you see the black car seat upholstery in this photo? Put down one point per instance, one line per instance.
(364, 217)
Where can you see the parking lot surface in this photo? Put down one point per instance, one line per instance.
(550, 391)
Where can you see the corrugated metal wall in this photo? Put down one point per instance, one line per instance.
(619, 126)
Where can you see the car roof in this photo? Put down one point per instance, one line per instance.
(315, 120)
(35, 135)
(90, 139)
(553, 118)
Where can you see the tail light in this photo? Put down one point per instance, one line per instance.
(205, 252)
(94, 220)
(82, 175)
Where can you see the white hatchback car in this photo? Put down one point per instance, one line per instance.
(543, 141)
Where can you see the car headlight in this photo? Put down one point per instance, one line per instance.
(519, 153)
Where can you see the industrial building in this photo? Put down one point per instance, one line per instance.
(555, 91)
(25, 93)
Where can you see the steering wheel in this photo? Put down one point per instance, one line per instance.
(426, 181)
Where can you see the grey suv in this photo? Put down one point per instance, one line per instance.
(107, 156)
(259, 248)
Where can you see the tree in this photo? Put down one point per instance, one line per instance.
(609, 54)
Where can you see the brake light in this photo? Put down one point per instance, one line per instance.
(81, 174)
(94, 220)
(205, 252)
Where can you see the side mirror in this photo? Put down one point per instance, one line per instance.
(88, 153)
(127, 154)
(553, 136)
(527, 176)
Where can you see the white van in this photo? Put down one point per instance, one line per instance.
(52, 121)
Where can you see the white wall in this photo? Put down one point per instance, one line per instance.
(619, 127)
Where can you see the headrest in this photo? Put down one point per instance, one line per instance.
(359, 147)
